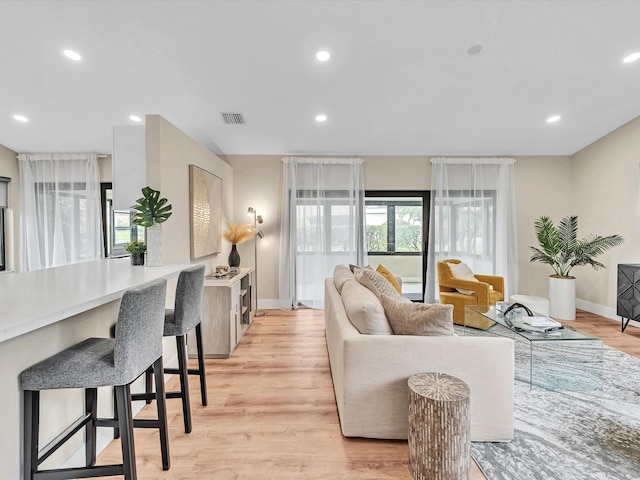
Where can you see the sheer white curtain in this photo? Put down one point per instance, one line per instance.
(60, 215)
(473, 219)
(322, 225)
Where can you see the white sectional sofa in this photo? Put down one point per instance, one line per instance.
(370, 374)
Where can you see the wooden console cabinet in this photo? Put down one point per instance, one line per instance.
(228, 306)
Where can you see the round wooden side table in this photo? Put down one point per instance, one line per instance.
(439, 427)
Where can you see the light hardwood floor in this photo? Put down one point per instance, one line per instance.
(272, 412)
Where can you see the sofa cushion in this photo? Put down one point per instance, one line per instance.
(463, 272)
(418, 318)
(377, 284)
(355, 268)
(340, 275)
(364, 309)
(389, 277)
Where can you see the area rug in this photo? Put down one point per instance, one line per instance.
(590, 435)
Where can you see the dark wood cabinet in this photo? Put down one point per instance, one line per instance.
(628, 300)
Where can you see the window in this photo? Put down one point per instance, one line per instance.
(396, 225)
(324, 227)
(117, 225)
(468, 224)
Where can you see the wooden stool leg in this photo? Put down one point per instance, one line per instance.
(123, 400)
(202, 373)
(31, 421)
(162, 413)
(90, 402)
(184, 381)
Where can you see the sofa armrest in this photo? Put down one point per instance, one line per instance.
(377, 367)
(496, 282)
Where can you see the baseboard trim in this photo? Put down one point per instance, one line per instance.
(602, 310)
(269, 304)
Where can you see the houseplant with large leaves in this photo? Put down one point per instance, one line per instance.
(560, 247)
(151, 211)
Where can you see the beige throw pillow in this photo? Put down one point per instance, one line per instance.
(377, 284)
(462, 272)
(364, 309)
(418, 318)
(340, 275)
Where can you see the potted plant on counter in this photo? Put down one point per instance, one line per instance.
(136, 249)
(151, 212)
(562, 250)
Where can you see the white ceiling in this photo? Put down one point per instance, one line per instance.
(399, 82)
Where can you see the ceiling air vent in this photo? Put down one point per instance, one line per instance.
(233, 118)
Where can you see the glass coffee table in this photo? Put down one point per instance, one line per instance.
(564, 359)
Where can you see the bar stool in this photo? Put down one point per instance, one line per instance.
(100, 362)
(186, 315)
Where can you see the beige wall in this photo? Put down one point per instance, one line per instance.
(9, 168)
(543, 187)
(606, 193)
(169, 154)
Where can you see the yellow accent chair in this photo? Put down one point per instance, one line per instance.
(482, 292)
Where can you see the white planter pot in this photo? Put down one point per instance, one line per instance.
(154, 245)
(562, 298)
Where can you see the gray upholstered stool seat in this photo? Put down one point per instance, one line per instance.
(100, 362)
(178, 322)
(85, 365)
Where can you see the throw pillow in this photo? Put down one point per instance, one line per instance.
(364, 309)
(418, 318)
(389, 277)
(340, 275)
(355, 268)
(462, 272)
(377, 283)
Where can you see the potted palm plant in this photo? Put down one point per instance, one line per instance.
(151, 212)
(562, 250)
(136, 248)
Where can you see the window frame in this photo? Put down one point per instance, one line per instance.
(3, 227)
(426, 209)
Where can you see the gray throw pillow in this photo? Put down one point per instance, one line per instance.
(418, 318)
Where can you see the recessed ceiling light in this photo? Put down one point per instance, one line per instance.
(474, 49)
(21, 118)
(135, 118)
(553, 118)
(631, 58)
(321, 118)
(73, 55)
(323, 56)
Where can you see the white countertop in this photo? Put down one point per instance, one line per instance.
(32, 300)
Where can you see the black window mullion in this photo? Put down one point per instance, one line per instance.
(391, 228)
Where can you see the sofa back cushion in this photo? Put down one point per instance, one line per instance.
(377, 284)
(418, 318)
(340, 275)
(364, 309)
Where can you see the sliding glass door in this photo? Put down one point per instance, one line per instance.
(396, 227)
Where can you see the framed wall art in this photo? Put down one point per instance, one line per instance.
(205, 197)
